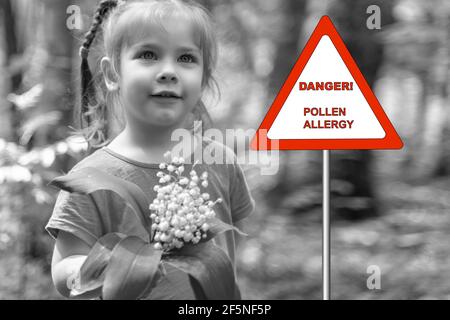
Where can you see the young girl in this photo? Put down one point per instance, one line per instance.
(159, 58)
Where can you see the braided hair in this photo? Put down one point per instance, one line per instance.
(95, 128)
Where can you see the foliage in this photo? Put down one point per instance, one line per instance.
(252, 33)
(418, 39)
(127, 267)
(24, 175)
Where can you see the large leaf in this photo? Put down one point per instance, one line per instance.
(174, 285)
(92, 272)
(132, 270)
(89, 180)
(129, 267)
(210, 269)
(217, 226)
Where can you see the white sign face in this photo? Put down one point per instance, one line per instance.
(326, 102)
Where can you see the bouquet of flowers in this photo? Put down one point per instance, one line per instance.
(180, 212)
(180, 224)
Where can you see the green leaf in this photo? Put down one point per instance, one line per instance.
(130, 267)
(89, 180)
(92, 272)
(132, 270)
(217, 226)
(211, 271)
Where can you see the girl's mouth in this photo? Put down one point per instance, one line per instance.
(166, 95)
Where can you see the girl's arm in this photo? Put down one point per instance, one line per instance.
(68, 256)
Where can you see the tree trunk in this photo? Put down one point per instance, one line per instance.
(443, 165)
(15, 80)
(58, 88)
(11, 52)
(352, 182)
(287, 53)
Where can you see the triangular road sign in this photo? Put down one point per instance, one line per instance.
(325, 103)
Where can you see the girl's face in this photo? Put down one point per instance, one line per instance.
(161, 74)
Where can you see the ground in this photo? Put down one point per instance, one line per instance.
(408, 243)
(281, 258)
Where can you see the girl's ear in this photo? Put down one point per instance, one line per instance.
(111, 78)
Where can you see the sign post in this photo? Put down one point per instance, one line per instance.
(326, 254)
(325, 104)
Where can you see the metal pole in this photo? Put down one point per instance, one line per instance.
(326, 226)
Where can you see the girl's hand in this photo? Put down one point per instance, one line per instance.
(74, 265)
(68, 256)
(69, 269)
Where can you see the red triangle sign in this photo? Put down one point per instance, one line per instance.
(325, 103)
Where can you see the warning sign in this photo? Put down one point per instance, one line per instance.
(326, 103)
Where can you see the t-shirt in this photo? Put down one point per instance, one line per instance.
(89, 217)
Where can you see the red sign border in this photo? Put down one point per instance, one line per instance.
(391, 139)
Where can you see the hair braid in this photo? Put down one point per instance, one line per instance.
(87, 85)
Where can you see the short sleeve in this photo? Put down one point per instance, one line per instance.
(77, 214)
(242, 202)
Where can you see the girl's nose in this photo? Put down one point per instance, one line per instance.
(167, 74)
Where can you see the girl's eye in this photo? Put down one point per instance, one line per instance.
(147, 55)
(187, 58)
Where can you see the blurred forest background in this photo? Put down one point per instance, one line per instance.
(389, 208)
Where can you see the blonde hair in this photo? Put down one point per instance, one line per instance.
(119, 22)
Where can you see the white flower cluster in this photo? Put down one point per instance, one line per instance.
(180, 213)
